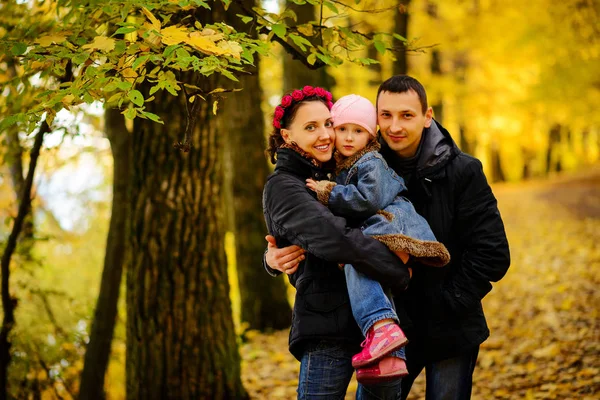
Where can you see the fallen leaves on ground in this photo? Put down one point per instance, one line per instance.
(545, 341)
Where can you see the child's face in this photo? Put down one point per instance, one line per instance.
(350, 138)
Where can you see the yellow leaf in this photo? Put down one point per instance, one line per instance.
(174, 35)
(129, 74)
(210, 34)
(204, 45)
(47, 40)
(215, 106)
(232, 48)
(549, 351)
(306, 29)
(155, 22)
(39, 65)
(101, 43)
(68, 99)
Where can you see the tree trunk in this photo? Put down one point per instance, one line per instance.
(497, 173)
(264, 300)
(295, 74)
(436, 70)
(181, 342)
(552, 153)
(465, 145)
(101, 334)
(401, 20)
(9, 303)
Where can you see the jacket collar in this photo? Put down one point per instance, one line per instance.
(290, 160)
(437, 150)
(343, 163)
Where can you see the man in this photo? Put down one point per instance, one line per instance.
(445, 324)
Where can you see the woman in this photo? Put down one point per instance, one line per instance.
(324, 335)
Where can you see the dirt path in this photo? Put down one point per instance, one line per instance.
(545, 341)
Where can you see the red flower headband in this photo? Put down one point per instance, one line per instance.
(296, 96)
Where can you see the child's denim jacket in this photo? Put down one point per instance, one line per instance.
(368, 189)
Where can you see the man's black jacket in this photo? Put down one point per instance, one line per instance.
(449, 189)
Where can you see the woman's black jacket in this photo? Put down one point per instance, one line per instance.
(294, 216)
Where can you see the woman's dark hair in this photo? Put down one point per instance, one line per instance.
(404, 83)
(275, 139)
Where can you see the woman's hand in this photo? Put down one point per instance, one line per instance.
(311, 184)
(286, 259)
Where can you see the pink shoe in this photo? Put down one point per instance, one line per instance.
(378, 343)
(388, 369)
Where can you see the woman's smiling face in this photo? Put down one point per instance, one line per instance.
(312, 130)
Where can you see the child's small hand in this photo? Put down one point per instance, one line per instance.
(311, 184)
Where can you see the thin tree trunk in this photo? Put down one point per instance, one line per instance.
(15, 168)
(9, 302)
(401, 20)
(101, 334)
(264, 300)
(552, 156)
(181, 342)
(497, 173)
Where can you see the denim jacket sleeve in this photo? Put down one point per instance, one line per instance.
(479, 225)
(302, 220)
(377, 187)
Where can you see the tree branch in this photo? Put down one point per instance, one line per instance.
(373, 11)
(291, 50)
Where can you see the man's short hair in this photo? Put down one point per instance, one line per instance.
(404, 83)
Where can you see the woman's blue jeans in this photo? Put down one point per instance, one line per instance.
(369, 302)
(326, 370)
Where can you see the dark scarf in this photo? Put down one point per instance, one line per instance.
(407, 167)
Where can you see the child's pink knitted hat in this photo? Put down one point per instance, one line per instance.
(355, 109)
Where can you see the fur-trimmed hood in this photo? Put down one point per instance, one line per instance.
(343, 163)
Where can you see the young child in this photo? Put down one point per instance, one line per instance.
(366, 189)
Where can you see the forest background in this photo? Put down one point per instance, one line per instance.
(145, 125)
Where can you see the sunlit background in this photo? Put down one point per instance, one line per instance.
(516, 83)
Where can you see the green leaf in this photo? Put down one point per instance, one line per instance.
(114, 97)
(325, 58)
(152, 117)
(111, 86)
(400, 37)
(169, 50)
(229, 75)
(154, 89)
(300, 41)
(125, 29)
(279, 30)
(380, 46)
(130, 113)
(120, 46)
(331, 6)
(245, 19)
(87, 97)
(124, 85)
(18, 49)
(248, 56)
(91, 72)
(182, 53)
(80, 58)
(139, 61)
(136, 97)
(11, 120)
